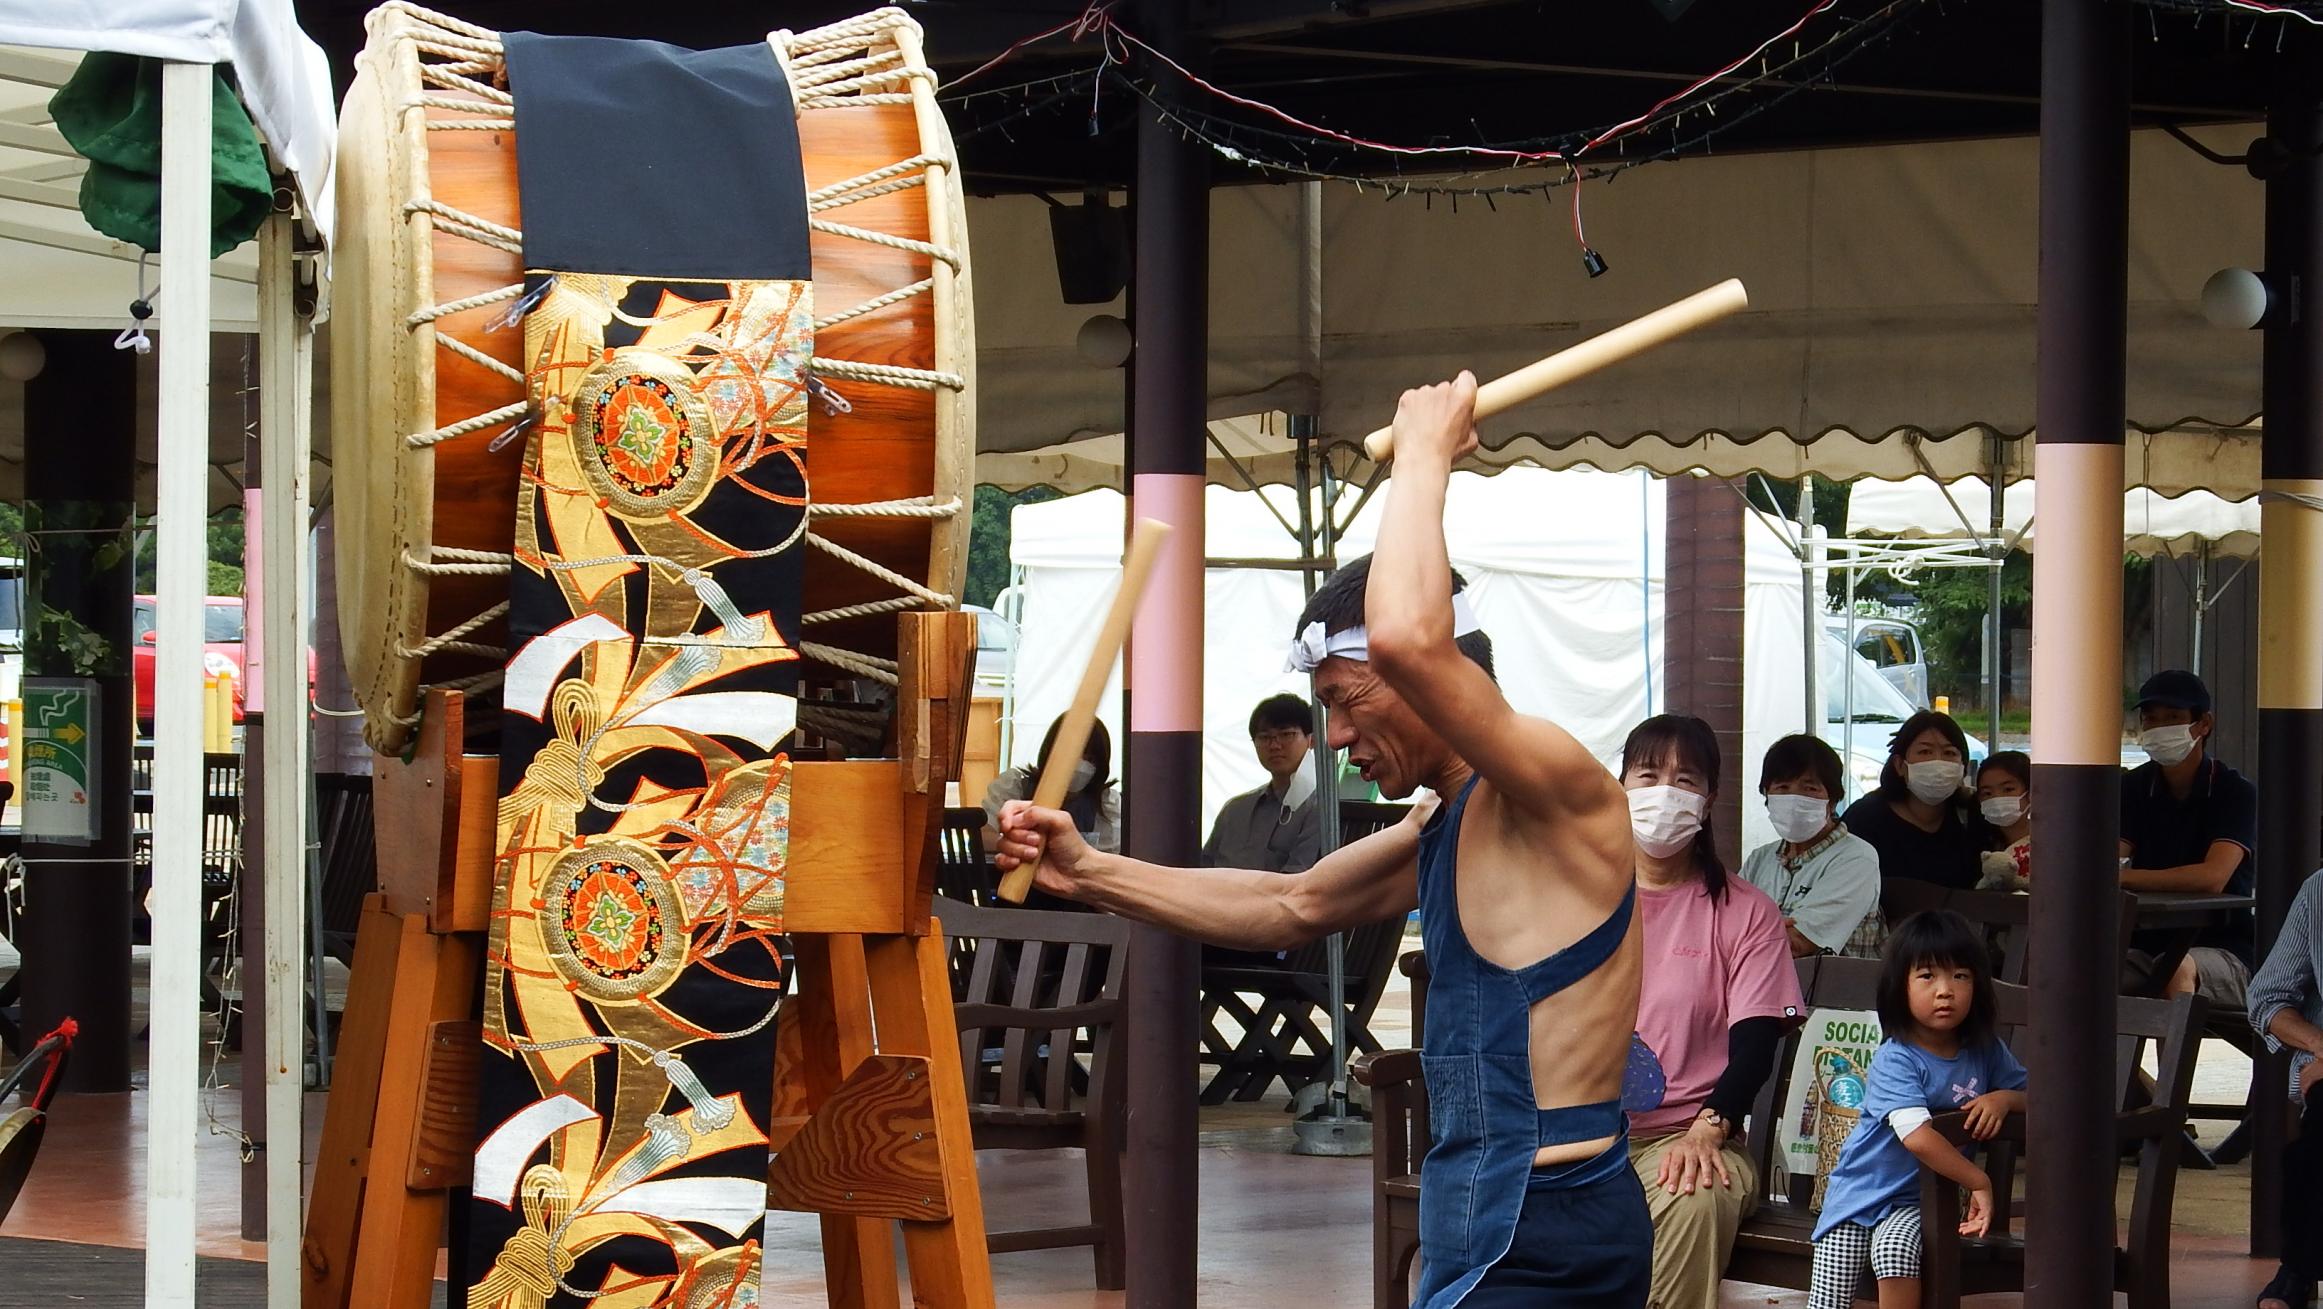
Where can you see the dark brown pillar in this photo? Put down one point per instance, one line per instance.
(1702, 635)
(2290, 680)
(2077, 681)
(1168, 409)
(80, 460)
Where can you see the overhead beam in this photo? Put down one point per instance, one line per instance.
(89, 243)
(38, 193)
(18, 64)
(1463, 63)
(38, 140)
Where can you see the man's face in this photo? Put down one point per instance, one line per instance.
(2151, 716)
(1381, 735)
(1281, 750)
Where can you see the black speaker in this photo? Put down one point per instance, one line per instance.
(1092, 241)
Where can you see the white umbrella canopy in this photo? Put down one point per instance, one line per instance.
(2153, 524)
(1258, 447)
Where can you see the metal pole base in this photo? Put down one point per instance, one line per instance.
(1321, 1134)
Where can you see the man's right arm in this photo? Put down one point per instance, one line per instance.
(1364, 882)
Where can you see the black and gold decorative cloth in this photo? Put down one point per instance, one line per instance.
(636, 962)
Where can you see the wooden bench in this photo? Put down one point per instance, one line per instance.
(1042, 989)
(1773, 1248)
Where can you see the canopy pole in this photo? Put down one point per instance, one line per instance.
(285, 395)
(2290, 651)
(181, 487)
(1995, 676)
(1811, 614)
(2082, 331)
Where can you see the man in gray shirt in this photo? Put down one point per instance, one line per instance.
(1277, 827)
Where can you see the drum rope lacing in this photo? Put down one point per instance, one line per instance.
(840, 65)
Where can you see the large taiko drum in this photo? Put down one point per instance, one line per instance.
(430, 403)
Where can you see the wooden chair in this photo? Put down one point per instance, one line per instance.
(1284, 1010)
(1773, 1248)
(349, 858)
(1040, 988)
(1399, 1143)
(963, 870)
(21, 1131)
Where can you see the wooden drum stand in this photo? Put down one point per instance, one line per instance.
(870, 1120)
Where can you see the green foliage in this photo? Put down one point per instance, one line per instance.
(988, 537)
(225, 579)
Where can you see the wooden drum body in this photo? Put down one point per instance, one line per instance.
(426, 354)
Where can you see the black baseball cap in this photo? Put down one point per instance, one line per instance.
(2177, 689)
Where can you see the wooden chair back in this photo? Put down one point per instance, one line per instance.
(1035, 982)
(963, 870)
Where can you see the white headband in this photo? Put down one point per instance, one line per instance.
(1314, 645)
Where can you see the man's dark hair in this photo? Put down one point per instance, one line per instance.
(1935, 938)
(1338, 605)
(1894, 781)
(1280, 711)
(1686, 742)
(1800, 755)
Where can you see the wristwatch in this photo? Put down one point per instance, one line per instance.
(1715, 1119)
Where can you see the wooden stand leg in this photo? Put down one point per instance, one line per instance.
(835, 1033)
(336, 1206)
(911, 986)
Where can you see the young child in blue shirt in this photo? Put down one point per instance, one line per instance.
(1940, 1054)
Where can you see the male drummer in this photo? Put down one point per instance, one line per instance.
(1521, 866)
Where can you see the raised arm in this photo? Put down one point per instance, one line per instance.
(1408, 617)
(1363, 882)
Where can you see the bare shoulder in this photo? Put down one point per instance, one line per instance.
(1586, 843)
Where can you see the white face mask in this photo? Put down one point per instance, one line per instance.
(2003, 810)
(1933, 781)
(1798, 818)
(1665, 818)
(1084, 773)
(2169, 745)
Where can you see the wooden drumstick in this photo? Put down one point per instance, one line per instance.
(1633, 337)
(1073, 731)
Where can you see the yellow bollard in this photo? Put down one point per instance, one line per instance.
(218, 713)
(1944, 704)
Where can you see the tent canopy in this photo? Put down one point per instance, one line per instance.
(1891, 322)
(1565, 569)
(61, 274)
(2152, 524)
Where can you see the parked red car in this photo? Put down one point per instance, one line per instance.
(222, 636)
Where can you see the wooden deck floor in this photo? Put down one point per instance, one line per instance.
(1275, 1229)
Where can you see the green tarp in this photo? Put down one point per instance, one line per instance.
(111, 112)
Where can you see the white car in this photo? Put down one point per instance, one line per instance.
(1862, 728)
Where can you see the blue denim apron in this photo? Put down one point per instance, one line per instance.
(1478, 1061)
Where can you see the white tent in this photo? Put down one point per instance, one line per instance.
(1566, 573)
(1890, 322)
(1920, 508)
(283, 82)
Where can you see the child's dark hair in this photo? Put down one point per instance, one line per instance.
(2015, 763)
(1687, 742)
(1338, 605)
(1935, 938)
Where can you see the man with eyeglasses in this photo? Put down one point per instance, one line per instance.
(1277, 827)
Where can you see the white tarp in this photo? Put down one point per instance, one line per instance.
(1566, 573)
(284, 78)
(1882, 307)
(2152, 524)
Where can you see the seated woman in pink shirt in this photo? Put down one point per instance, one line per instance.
(1719, 991)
